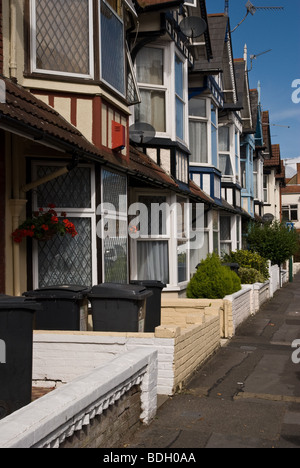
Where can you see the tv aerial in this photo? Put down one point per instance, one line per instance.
(254, 57)
(251, 9)
(141, 132)
(193, 26)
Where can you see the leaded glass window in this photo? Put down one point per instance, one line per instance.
(114, 227)
(62, 36)
(112, 48)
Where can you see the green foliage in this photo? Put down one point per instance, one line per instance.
(250, 260)
(250, 276)
(213, 280)
(274, 241)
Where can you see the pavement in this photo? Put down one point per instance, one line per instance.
(247, 395)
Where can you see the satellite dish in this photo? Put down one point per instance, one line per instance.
(193, 26)
(268, 218)
(141, 132)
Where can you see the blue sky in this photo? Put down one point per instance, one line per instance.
(276, 70)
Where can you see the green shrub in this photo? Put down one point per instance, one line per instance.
(248, 259)
(250, 276)
(213, 280)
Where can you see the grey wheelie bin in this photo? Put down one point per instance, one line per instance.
(16, 336)
(153, 312)
(119, 307)
(64, 307)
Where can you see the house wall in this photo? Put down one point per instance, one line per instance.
(292, 198)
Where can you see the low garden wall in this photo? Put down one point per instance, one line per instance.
(96, 410)
(60, 357)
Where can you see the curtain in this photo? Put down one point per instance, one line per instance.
(153, 263)
(198, 142)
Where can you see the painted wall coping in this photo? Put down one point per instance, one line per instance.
(46, 422)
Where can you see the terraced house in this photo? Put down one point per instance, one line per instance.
(109, 103)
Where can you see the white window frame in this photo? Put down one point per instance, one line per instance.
(72, 213)
(35, 69)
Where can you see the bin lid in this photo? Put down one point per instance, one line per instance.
(67, 291)
(149, 283)
(16, 302)
(119, 291)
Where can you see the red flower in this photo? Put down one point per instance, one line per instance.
(51, 205)
(54, 220)
(45, 227)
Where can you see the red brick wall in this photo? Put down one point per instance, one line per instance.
(2, 214)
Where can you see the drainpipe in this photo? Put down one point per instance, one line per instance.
(13, 41)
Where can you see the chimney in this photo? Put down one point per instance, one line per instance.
(298, 174)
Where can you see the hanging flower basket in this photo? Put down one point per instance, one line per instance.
(44, 225)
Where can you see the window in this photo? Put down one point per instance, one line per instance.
(197, 255)
(225, 234)
(182, 167)
(255, 178)
(216, 231)
(179, 98)
(62, 32)
(290, 213)
(63, 35)
(265, 189)
(61, 260)
(237, 154)
(153, 246)
(198, 130)
(243, 166)
(112, 45)
(150, 77)
(224, 151)
(214, 136)
(203, 132)
(114, 227)
(182, 241)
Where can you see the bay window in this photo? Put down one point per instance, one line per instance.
(62, 35)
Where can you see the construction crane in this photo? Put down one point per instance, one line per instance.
(252, 10)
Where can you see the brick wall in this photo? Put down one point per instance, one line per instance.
(117, 423)
(2, 214)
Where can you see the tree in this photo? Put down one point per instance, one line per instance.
(274, 241)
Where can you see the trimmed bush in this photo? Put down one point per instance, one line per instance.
(252, 260)
(250, 276)
(213, 280)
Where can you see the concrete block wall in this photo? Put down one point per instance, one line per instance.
(238, 307)
(81, 411)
